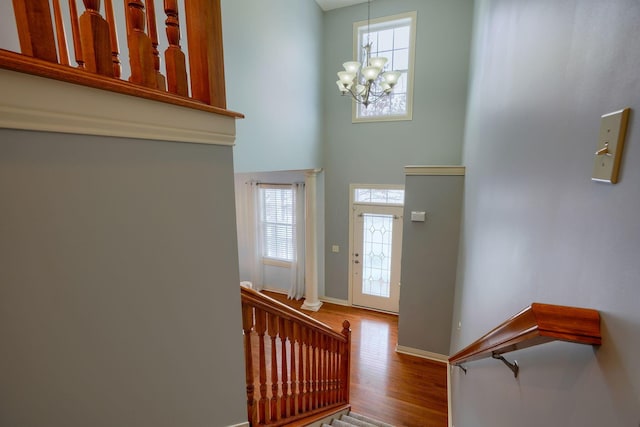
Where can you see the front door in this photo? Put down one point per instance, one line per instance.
(377, 247)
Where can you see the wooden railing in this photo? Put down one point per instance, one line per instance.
(296, 367)
(536, 324)
(96, 48)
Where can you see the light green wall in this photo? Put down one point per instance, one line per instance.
(536, 228)
(375, 153)
(272, 67)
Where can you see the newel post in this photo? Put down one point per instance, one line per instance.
(206, 59)
(346, 359)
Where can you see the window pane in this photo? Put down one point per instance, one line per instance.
(398, 103)
(401, 38)
(385, 40)
(391, 38)
(401, 59)
(277, 223)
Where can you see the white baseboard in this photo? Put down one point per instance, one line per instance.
(275, 290)
(246, 424)
(336, 301)
(436, 357)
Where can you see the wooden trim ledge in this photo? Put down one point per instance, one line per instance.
(29, 102)
(434, 170)
(536, 324)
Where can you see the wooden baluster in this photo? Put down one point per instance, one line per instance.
(314, 370)
(206, 59)
(336, 371)
(153, 34)
(174, 57)
(95, 40)
(308, 350)
(113, 39)
(296, 375)
(285, 333)
(346, 362)
(75, 33)
(326, 378)
(340, 370)
(321, 372)
(247, 326)
(261, 327)
(332, 374)
(140, 50)
(61, 37)
(273, 333)
(35, 29)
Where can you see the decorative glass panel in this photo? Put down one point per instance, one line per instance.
(376, 256)
(379, 195)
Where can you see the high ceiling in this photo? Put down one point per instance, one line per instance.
(335, 4)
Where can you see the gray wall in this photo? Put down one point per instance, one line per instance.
(536, 228)
(375, 153)
(118, 283)
(429, 260)
(273, 52)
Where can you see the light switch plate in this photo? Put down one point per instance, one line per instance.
(606, 164)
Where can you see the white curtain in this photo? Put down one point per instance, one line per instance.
(297, 265)
(254, 234)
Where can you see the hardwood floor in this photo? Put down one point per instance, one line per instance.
(399, 389)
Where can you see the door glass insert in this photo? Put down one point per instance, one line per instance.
(376, 259)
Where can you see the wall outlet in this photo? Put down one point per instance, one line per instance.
(335, 248)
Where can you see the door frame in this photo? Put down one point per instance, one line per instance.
(352, 188)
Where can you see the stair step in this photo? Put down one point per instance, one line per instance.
(369, 420)
(355, 422)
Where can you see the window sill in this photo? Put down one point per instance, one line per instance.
(276, 262)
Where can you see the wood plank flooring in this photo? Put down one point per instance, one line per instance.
(399, 389)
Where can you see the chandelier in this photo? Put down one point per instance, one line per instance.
(366, 82)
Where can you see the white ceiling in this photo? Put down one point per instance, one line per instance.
(335, 4)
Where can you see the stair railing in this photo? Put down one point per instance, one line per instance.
(296, 366)
(96, 48)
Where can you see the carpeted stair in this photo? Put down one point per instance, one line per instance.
(356, 420)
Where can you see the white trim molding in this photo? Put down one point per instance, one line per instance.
(436, 357)
(40, 104)
(311, 301)
(245, 424)
(335, 301)
(434, 170)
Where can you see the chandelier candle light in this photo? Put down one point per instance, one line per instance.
(364, 81)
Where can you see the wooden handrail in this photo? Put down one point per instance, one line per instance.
(536, 324)
(26, 64)
(96, 48)
(301, 366)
